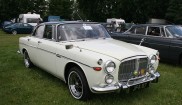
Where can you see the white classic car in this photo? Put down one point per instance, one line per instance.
(84, 56)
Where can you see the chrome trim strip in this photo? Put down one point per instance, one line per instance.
(58, 55)
(119, 86)
(134, 57)
(106, 88)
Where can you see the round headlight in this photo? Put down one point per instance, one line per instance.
(153, 59)
(109, 79)
(110, 66)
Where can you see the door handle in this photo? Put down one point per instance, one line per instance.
(28, 39)
(39, 42)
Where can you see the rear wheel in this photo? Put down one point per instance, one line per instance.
(77, 84)
(27, 62)
(14, 32)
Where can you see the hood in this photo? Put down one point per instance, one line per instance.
(110, 47)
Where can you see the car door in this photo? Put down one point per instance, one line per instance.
(133, 35)
(156, 39)
(32, 42)
(17, 27)
(137, 34)
(175, 50)
(46, 50)
(120, 36)
(27, 28)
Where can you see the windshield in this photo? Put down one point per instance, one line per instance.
(68, 32)
(175, 30)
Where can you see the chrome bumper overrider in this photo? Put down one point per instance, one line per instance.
(124, 85)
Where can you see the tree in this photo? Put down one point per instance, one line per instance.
(10, 9)
(61, 8)
(174, 13)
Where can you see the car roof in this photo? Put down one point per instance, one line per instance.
(68, 22)
(136, 25)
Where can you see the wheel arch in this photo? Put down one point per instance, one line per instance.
(68, 67)
(23, 50)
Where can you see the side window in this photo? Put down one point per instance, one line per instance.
(131, 30)
(48, 32)
(39, 32)
(25, 25)
(141, 30)
(154, 31)
(61, 33)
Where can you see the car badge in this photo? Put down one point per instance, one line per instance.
(135, 73)
(142, 71)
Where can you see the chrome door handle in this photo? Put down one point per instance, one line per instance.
(39, 42)
(28, 39)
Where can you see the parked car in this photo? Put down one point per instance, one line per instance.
(167, 39)
(85, 57)
(121, 28)
(18, 28)
(5, 23)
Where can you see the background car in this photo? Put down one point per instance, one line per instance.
(5, 23)
(167, 39)
(122, 27)
(18, 28)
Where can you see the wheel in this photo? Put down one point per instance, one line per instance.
(27, 62)
(77, 84)
(14, 32)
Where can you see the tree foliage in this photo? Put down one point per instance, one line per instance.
(130, 10)
(12, 8)
(138, 11)
(61, 8)
(174, 11)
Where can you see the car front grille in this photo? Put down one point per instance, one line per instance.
(132, 68)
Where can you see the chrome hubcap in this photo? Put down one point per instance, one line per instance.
(14, 32)
(26, 60)
(75, 84)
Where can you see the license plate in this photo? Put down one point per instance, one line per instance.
(139, 86)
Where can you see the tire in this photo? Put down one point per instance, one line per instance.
(77, 84)
(14, 32)
(27, 62)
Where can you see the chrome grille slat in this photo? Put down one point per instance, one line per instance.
(127, 68)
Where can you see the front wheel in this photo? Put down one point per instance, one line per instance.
(77, 84)
(27, 62)
(14, 32)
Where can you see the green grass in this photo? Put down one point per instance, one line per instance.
(22, 86)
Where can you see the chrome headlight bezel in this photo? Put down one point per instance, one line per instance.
(153, 59)
(110, 67)
(109, 78)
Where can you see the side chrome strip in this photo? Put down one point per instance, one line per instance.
(58, 55)
(134, 57)
(61, 56)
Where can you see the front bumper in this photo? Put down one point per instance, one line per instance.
(127, 84)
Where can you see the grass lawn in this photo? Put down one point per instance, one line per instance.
(22, 86)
